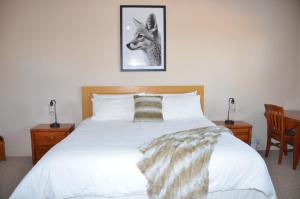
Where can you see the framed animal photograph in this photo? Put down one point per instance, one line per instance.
(143, 38)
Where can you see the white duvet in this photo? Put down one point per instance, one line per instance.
(99, 160)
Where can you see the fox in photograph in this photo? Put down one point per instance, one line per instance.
(147, 39)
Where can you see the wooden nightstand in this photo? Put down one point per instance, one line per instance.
(43, 138)
(240, 129)
(2, 149)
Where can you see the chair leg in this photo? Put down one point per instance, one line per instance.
(268, 146)
(281, 152)
(285, 149)
(296, 155)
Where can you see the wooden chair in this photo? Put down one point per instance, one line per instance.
(277, 131)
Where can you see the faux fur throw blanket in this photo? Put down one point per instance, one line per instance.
(176, 165)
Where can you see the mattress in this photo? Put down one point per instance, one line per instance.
(98, 160)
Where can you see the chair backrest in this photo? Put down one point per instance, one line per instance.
(275, 119)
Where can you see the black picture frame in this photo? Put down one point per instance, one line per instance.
(143, 37)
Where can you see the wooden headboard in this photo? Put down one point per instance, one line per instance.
(87, 91)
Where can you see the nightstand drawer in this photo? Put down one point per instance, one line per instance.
(244, 137)
(244, 131)
(240, 129)
(242, 134)
(40, 151)
(48, 138)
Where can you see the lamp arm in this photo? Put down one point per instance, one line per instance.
(228, 109)
(55, 124)
(55, 113)
(228, 121)
(228, 115)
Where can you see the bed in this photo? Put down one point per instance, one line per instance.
(98, 160)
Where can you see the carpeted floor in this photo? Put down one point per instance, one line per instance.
(11, 172)
(285, 180)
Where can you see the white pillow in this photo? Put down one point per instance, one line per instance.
(172, 94)
(118, 96)
(182, 107)
(105, 109)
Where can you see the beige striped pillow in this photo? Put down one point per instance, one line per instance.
(148, 108)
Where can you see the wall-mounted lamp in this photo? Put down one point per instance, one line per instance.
(231, 108)
(55, 124)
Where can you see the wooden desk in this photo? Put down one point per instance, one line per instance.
(292, 120)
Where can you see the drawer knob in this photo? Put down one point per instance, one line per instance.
(51, 137)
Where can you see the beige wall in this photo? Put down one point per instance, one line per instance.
(298, 74)
(49, 49)
(294, 101)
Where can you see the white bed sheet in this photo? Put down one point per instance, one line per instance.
(99, 160)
